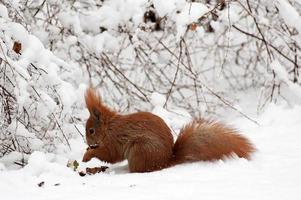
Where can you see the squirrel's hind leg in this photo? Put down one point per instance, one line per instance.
(147, 157)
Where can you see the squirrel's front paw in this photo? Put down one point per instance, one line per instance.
(87, 157)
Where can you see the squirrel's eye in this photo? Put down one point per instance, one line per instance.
(91, 131)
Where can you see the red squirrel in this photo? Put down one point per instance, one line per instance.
(146, 142)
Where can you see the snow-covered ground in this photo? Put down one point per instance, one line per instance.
(273, 173)
(51, 50)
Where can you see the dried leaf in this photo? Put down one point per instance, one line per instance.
(17, 47)
(81, 173)
(95, 170)
(75, 165)
(41, 184)
(193, 26)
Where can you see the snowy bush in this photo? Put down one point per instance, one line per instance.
(198, 54)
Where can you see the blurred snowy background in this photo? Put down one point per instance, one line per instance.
(202, 56)
(226, 59)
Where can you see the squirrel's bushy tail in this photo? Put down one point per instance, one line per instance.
(203, 140)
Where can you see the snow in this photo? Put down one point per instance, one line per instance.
(164, 7)
(64, 41)
(281, 72)
(175, 117)
(71, 20)
(191, 13)
(104, 41)
(289, 14)
(273, 173)
(3, 12)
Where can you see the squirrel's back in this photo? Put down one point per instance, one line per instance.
(146, 139)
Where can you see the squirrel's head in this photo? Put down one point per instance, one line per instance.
(97, 123)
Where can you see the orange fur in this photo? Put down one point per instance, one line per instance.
(209, 140)
(146, 141)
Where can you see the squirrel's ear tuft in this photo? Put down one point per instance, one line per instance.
(95, 114)
(96, 107)
(93, 102)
